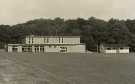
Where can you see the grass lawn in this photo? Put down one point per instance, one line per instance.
(75, 68)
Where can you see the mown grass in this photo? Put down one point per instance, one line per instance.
(83, 68)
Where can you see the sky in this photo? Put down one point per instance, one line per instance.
(19, 11)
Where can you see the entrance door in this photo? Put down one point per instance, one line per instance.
(36, 49)
(41, 48)
(15, 49)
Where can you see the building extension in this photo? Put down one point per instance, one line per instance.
(114, 48)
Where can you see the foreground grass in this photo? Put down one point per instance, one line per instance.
(82, 68)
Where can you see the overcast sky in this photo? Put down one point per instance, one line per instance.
(18, 11)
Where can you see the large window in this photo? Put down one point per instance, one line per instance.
(27, 48)
(61, 40)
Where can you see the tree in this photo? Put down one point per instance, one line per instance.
(118, 31)
(93, 31)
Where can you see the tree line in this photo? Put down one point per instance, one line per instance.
(93, 31)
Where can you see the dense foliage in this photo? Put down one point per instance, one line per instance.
(93, 31)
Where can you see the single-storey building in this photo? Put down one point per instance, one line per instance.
(114, 48)
(48, 44)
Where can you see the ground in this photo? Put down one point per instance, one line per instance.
(75, 68)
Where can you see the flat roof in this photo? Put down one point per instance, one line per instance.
(53, 36)
(43, 44)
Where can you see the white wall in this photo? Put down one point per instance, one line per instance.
(19, 48)
(110, 51)
(117, 51)
(33, 49)
(9, 48)
(124, 51)
(76, 48)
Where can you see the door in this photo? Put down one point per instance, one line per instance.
(15, 49)
(36, 49)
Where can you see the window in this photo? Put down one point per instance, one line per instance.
(50, 46)
(47, 40)
(55, 46)
(29, 40)
(59, 39)
(15, 49)
(44, 40)
(36, 48)
(41, 48)
(32, 40)
(63, 47)
(63, 51)
(27, 48)
(62, 39)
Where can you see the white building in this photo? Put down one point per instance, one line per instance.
(48, 44)
(114, 48)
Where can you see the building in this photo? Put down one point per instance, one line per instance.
(48, 44)
(114, 48)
